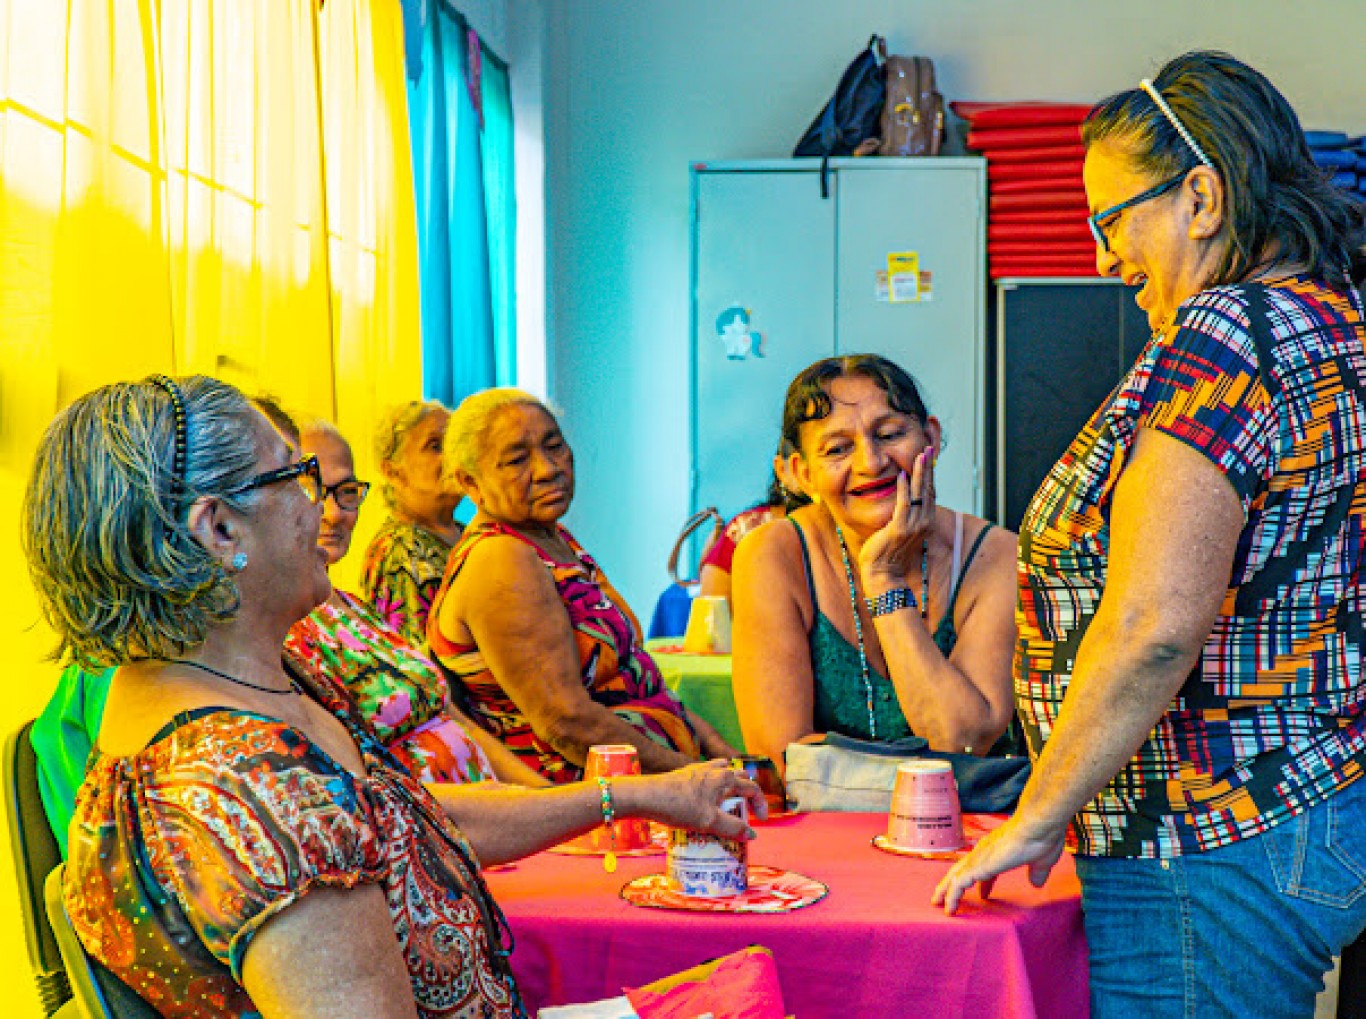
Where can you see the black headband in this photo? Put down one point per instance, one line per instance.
(182, 430)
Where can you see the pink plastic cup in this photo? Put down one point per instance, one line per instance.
(925, 815)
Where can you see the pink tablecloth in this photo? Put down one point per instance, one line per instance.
(872, 947)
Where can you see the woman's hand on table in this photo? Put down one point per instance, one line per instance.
(1016, 843)
(886, 557)
(691, 797)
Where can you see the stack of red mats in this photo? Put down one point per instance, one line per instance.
(1036, 221)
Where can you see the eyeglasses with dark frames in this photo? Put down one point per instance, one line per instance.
(348, 494)
(306, 472)
(1106, 218)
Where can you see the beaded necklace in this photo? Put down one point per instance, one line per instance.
(858, 623)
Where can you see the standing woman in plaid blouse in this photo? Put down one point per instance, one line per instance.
(1189, 665)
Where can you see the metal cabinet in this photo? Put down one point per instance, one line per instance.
(783, 276)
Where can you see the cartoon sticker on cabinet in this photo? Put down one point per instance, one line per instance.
(733, 326)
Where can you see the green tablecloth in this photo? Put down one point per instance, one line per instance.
(702, 683)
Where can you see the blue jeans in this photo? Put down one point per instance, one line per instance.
(1248, 929)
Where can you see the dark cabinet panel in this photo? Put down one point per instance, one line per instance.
(1061, 345)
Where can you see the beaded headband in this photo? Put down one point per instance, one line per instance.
(182, 430)
(1147, 86)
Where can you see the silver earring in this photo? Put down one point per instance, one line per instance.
(239, 562)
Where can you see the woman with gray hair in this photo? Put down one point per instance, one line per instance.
(1191, 584)
(241, 844)
(407, 556)
(548, 651)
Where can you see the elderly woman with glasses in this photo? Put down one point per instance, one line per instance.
(407, 556)
(1189, 665)
(242, 844)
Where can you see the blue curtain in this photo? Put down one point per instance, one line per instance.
(466, 215)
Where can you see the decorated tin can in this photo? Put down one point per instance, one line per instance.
(708, 865)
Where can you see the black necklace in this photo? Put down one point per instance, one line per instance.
(293, 686)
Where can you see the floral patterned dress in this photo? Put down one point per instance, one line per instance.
(401, 574)
(398, 691)
(182, 851)
(616, 671)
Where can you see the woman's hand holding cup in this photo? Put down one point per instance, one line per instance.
(691, 798)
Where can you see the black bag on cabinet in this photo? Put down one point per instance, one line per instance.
(854, 112)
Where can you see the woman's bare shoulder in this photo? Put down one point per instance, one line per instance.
(770, 546)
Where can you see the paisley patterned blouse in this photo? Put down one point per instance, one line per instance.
(617, 672)
(401, 574)
(398, 691)
(182, 851)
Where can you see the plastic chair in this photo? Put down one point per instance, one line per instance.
(35, 855)
(69, 982)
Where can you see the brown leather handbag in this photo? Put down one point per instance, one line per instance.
(913, 116)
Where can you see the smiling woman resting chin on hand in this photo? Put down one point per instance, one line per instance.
(874, 612)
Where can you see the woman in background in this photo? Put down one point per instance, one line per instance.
(548, 651)
(873, 612)
(782, 498)
(407, 556)
(397, 689)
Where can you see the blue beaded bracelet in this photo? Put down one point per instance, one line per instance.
(891, 601)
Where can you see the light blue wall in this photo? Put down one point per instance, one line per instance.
(633, 91)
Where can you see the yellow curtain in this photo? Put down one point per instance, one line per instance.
(217, 186)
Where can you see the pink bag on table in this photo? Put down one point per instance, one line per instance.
(742, 985)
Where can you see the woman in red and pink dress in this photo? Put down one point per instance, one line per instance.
(548, 651)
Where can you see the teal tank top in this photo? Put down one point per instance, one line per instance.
(840, 703)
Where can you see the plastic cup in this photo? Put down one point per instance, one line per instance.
(925, 815)
(614, 760)
(708, 629)
(708, 866)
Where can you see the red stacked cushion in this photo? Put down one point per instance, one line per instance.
(1036, 224)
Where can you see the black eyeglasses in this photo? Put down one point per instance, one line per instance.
(1106, 217)
(306, 472)
(348, 494)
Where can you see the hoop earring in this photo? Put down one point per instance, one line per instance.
(239, 562)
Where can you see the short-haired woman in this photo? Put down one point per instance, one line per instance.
(548, 651)
(242, 845)
(407, 556)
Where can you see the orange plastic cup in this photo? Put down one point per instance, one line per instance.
(614, 760)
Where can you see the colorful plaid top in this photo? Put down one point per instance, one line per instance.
(1268, 382)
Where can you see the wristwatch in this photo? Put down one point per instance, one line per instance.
(891, 601)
